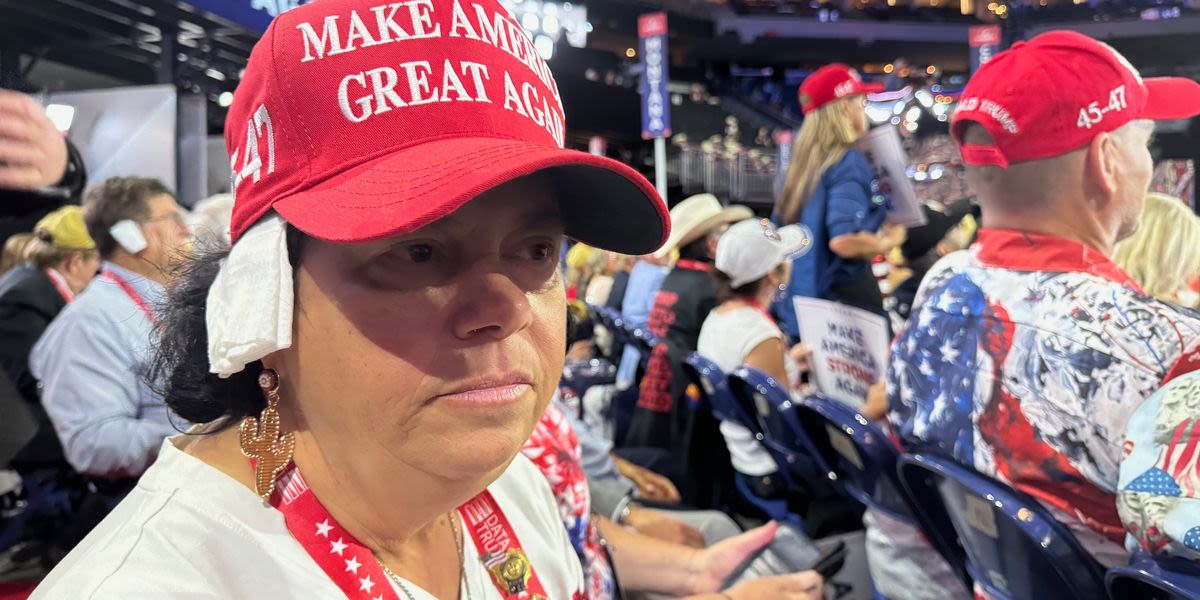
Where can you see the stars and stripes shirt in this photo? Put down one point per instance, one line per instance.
(1159, 498)
(1024, 359)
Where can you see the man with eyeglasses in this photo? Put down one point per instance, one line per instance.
(90, 360)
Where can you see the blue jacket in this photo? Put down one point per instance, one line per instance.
(843, 203)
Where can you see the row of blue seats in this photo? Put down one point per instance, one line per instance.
(996, 538)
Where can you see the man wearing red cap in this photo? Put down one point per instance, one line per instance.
(1026, 356)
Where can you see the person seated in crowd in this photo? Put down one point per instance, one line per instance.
(1025, 357)
(90, 360)
(684, 299)
(645, 562)
(62, 262)
(830, 189)
(1164, 255)
(753, 264)
(371, 354)
(1158, 500)
(15, 251)
(620, 267)
(645, 279)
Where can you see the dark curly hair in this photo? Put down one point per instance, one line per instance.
(179, 369)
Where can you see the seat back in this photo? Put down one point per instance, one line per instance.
(1011, 546)
(763, 399)
(856, 455)
(1155, 578)
(714, 388)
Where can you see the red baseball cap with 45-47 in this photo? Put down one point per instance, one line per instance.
(1056, 93)
(363, 119)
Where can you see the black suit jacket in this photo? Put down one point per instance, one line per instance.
(28, 302)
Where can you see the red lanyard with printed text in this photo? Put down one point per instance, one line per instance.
(132, 293)
(353, 567)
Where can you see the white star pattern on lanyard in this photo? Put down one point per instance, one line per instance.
(352, 565)
(337, 547)
(323, 528)
(366, 584)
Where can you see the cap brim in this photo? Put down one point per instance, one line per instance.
(871, 88)
(796, 241)
(729, 214)
(604, 203)
(1171, 98)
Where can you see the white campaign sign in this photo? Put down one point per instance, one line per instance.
(849, 347)
(886, 155)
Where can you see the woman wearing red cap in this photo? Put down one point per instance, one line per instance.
(829, 190)
(372, 352)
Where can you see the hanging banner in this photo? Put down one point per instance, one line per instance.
(656, 108)
(985, 43)
(849, 348)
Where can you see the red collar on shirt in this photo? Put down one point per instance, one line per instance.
(693, 265)
(1022, 251)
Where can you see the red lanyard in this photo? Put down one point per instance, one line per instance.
(60, 284)
(132, 293)
(693, 265)
(354, 568)
(754, 303)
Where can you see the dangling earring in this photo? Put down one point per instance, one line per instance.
(261, 441)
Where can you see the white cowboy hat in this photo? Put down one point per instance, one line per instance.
(697, 215)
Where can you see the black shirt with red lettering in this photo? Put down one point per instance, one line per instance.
(661, 418)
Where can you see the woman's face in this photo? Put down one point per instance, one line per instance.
(856, 110)
(438, 349)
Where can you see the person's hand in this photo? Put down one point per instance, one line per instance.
(650, 485)
(663, 527)
(803, 356)
(893, 236)
(33, 153)
(711, 568)
(806, 585)
(877, 402)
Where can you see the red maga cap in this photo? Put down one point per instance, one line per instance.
(1056, 93)
(359, 120)
(833, 82)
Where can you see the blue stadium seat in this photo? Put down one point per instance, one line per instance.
(1155, 578)
(763, 399)
(856, 455)
(715, 393)
(1011, 546)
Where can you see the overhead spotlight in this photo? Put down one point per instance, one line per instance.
(225, 99)
(1001, 10)
(931, 69)
(544, 46)
(889, 68)
(630, 53)
(550, 24)
(530, 21)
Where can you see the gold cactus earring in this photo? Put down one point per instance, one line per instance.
(261, 441)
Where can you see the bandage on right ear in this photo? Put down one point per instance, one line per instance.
(129, 235)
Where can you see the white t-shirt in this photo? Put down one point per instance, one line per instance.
(727, 338)
(189, 531)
